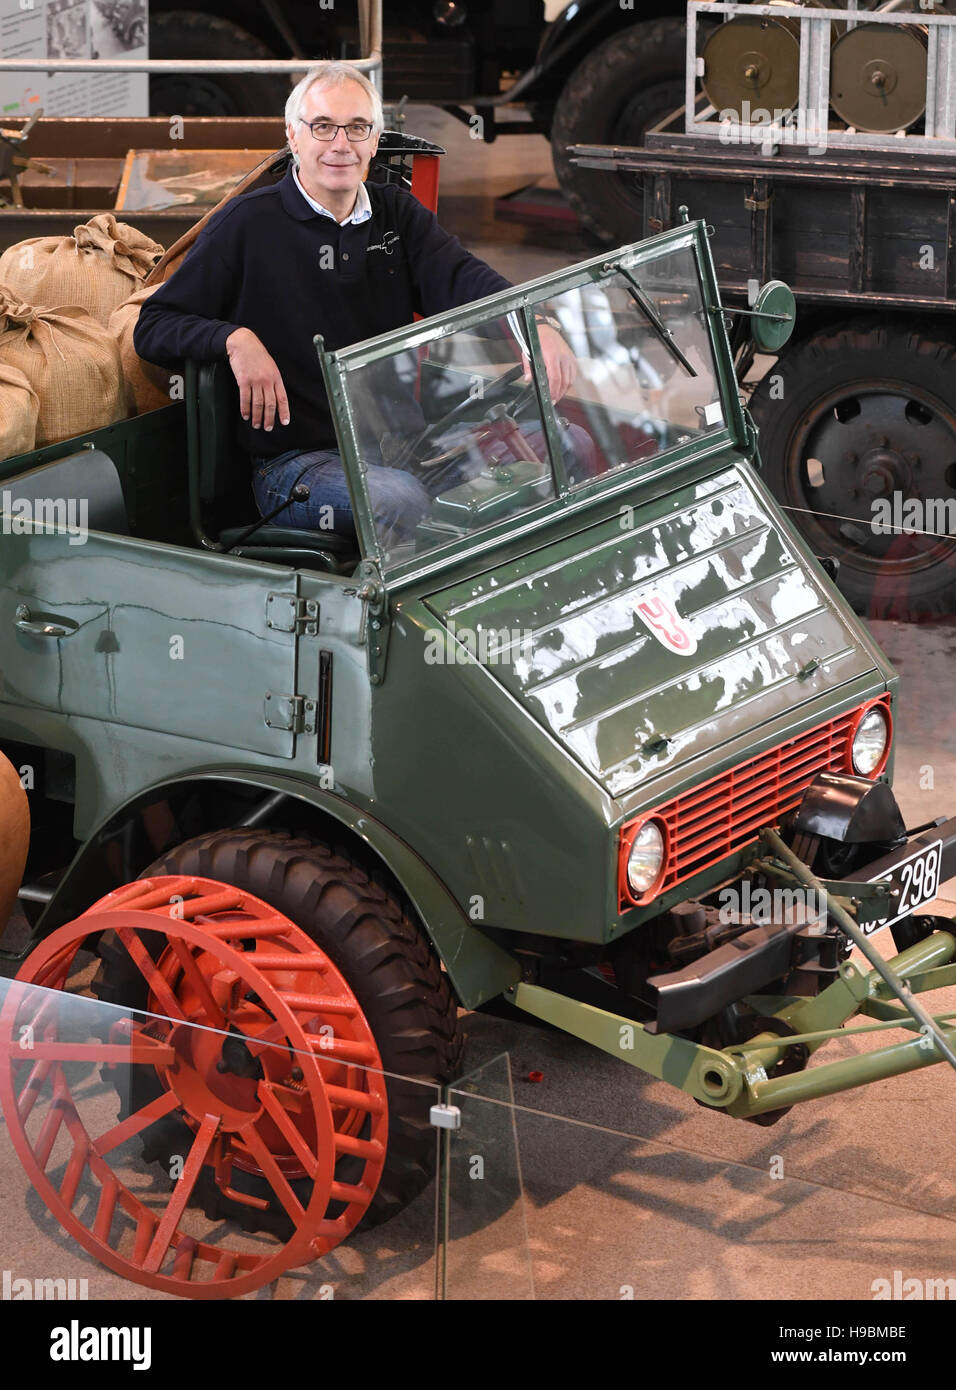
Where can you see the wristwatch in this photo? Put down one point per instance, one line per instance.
(551, 322)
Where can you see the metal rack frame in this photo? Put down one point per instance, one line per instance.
(813, 98)
(370, 30)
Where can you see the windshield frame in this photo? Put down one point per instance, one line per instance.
(337, 365)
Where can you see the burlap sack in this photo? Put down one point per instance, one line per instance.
(147, 386)
(19, 407)
(14, 837)
(70, 360)
(96, 268)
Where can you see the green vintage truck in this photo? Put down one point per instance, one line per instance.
(595, 738)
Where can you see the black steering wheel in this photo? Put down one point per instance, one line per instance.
(411, 455)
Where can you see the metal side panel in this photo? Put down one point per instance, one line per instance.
(151, 636)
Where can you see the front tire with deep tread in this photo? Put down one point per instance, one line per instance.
(368, 929)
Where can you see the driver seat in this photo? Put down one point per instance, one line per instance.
(221, 503)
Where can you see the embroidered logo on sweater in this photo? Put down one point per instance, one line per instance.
(388, 241)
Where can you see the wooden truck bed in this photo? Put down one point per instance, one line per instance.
(91, 170)
(843, 226)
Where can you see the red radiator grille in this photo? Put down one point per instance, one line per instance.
(711, 821)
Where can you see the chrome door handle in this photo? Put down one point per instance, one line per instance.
(38, 627)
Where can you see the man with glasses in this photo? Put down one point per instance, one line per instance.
(323, 252)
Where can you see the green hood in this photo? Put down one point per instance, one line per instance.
(694, 626)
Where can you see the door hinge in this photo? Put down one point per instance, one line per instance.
(290, 613)
(375, 624)
(290, 713)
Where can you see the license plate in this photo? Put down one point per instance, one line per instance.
(918, 877)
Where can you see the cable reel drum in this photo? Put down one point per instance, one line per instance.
(877, 71)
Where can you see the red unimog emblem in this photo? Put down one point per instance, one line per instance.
(666, 624)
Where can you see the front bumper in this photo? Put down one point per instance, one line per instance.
(684, 998)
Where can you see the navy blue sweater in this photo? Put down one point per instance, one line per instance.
(269, 262)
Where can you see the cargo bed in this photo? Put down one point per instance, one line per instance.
(88, 157)
(840, 227)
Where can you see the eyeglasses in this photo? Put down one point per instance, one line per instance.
(356, 131)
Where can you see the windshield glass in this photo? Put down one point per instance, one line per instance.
(460, 417)
(461, 420)
(645, 374)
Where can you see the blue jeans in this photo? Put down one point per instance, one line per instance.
(399, 499)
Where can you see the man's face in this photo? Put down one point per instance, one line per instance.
(339, 165)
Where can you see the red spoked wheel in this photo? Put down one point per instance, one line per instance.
(260, 1048)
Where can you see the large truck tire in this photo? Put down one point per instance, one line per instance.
(856, 426)
(630, 81)
(192, 34)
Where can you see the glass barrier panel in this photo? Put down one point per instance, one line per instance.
(850, 1197)
(482, 1227)
(152, 1158)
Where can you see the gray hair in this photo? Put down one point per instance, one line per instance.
(332, 73)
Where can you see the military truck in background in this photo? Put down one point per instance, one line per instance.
(823, 153)
(601, 72)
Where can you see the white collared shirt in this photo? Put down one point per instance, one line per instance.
(361, 212)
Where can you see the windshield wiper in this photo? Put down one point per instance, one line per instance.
(649, 310)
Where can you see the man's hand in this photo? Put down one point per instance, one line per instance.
(559, 362)
(261, 392)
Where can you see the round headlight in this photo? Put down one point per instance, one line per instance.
(869, 741)
(646, 858)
